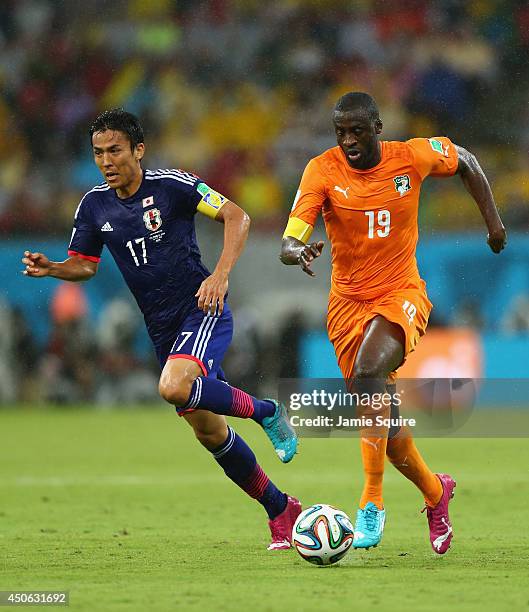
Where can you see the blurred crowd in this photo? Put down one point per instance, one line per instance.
(78, 361)
(108, 361)
(240, 92)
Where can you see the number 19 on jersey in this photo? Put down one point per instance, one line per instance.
(383, 223)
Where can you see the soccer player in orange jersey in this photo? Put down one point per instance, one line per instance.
(368, 193)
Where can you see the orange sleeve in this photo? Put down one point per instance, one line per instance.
(433, 156)
(311, 194)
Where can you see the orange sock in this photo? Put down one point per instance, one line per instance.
(403, 454)
(373, 451)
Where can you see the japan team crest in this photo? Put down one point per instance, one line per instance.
(152, 219)
(402, 183)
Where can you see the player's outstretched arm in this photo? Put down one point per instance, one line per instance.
(72, 269)
(213, 289)
(295, 252)
(477, 185)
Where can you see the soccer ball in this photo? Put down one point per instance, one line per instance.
(322, 534)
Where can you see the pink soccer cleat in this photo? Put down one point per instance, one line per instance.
(438, 520)
(281, 526)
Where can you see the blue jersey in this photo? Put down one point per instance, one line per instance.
(151, 236)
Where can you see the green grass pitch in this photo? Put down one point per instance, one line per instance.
(126, 511)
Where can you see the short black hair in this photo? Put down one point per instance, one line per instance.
(355, 100)
(120, 120)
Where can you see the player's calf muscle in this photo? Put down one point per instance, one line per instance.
(211, 440)
(210, 429)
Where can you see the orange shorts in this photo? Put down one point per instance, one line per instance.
(347, 320)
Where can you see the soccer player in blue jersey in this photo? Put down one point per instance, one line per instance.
(146, 220)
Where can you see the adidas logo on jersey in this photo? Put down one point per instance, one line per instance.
(107, 227)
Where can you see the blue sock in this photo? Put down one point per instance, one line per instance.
(219, 397)
(240, 465)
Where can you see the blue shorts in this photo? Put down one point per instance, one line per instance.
(202, 338)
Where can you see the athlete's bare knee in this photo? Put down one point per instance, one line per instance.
(368, 380)
(176, 392)
(364, 370)
(176, 381)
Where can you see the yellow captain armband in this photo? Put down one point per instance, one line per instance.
(297, 228)
(211, 201)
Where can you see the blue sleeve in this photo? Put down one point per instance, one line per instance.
(85, 241)
(195, 196)
(183, 188)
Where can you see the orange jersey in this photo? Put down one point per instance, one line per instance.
(370, 215)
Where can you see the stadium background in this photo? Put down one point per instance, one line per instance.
(241, 94)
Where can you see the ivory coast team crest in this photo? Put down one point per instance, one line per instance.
(152, 219)
(402, 184)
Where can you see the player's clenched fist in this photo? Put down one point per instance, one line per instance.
(308, 254)
(497, 239)
(211, 293)
(36, 264)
